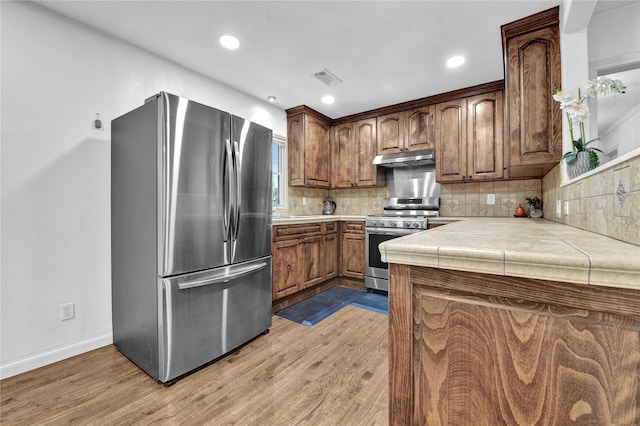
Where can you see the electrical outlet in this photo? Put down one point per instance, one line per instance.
(304, 201)
(566, 208)
(491, 198)
(558, 209)
(67, 311)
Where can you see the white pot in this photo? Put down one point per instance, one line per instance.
(580, 166)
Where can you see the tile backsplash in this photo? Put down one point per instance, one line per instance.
(456, 199)
(348, 201)
(607, 202)
(470, 199)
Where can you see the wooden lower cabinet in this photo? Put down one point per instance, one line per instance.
(310, 261)
(469, 348)
(353, 249)
(330, 253)
(305, 255)
(286, 275)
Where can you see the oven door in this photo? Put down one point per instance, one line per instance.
(374, 266)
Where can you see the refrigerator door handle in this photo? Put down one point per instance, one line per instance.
(238, 197)
(228, 188)
(223, 278)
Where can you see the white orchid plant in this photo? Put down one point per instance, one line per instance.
(577, 111)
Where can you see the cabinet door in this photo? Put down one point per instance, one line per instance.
(343, 152)
(534, 119)
(311, 261)
(366, 174)
(295, 149)
(484, 136)
(420, 128)
(286, 273)
(521, 366)
(451, 140)
(391, 129)
(316, 153)
(353, 255)
(330, 255)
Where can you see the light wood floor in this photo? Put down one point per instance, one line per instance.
(333, 373)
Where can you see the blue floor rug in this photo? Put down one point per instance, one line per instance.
(313, 310)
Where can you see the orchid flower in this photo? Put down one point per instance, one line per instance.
(577, 110)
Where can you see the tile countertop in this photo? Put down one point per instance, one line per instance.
(286, 220)
(520, 247)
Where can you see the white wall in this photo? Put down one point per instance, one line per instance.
(55, 177)
(614, 38)
(614, 33)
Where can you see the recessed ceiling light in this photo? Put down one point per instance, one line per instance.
(230, 42)
(271, 99)
(328, 99)
(455, 61)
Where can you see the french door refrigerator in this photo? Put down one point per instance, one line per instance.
(191, 234)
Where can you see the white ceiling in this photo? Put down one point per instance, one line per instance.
(386, 52)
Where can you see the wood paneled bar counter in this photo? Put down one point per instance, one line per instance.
(513, 321)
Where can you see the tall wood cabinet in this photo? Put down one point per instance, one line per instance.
(309, 150)
(532, 70)
(354, 146)
(469, 138)
(409, 130)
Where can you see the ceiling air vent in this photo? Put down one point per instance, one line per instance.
(327, 78)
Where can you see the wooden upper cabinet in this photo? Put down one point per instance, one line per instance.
(308, 148)
(469, 138)
(366, 173)
(451, 140)
(343, 153)
(485, 129)
(295, 146)
(354, 148)
(391, 129)
(532, 70)
(406, 130)
(421, 128)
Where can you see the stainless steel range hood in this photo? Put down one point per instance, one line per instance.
(406, 159)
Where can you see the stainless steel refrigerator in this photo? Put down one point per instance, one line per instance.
(190, 234)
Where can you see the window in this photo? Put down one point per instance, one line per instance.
(277, 172)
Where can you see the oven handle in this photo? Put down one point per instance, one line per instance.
(400, 232)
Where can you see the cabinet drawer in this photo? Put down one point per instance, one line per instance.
(353, 227)
(283, 232)
(331, 227)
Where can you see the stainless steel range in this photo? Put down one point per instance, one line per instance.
(413, 196)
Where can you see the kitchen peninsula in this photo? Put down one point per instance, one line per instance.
(513, 321)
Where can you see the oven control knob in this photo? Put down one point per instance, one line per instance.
(407, 224)
(415, 225)
(394, 223)
(379, 223)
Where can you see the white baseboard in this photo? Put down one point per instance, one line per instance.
(31, 362)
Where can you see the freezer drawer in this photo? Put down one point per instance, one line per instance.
(208, 314)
